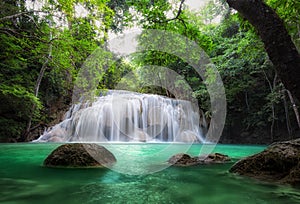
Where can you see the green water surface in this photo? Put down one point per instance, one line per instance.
(24, 180)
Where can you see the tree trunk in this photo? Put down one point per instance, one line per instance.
(278, 43)
(36, 92)
(294, 107)
(272, 88)
(287, 117)
(37, 88)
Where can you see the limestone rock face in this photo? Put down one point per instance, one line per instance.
(80, 155)
(186, 160)
(279, 163)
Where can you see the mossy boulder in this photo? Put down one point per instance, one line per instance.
(182, 159)
(279, 163)
(80, 155)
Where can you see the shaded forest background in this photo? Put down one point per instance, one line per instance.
(44, 45)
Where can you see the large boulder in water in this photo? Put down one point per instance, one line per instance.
(182, 159)
(279, 163)
(80, 155)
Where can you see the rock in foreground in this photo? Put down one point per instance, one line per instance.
(186, 160)
(279, 163)
(80, 155)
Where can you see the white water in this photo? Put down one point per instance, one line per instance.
(122, 116)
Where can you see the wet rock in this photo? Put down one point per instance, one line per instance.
(140, 136)
(182, 160)
(80, 155)
(279, 163)
(55, 139)
(187, 137)
(186, 160)
(215, 158)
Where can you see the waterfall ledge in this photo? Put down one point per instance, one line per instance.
(123, 116)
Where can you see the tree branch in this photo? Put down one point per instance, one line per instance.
(175, 18)
(10, 32)
(31, 18)
(179, 11)
(20, 14)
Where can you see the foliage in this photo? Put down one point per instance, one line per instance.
(32, 41)
(63, 42)
(15, 109)
(288, 10)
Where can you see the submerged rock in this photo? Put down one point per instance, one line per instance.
(186, 160)
(80, 155)
(279, 163)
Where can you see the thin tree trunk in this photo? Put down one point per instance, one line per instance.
(272, 87)
(37, 88)
(294, 107)
(273, 107)
(36, 91)
(278, 43)
(287, 118)
(246, 100)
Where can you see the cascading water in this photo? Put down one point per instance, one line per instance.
(123, 116)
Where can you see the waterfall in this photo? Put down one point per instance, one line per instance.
(124, 116)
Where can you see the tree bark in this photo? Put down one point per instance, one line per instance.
(277, 42)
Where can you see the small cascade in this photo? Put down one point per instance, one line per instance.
(123, 116)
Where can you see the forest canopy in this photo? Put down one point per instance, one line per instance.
(44, 45)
